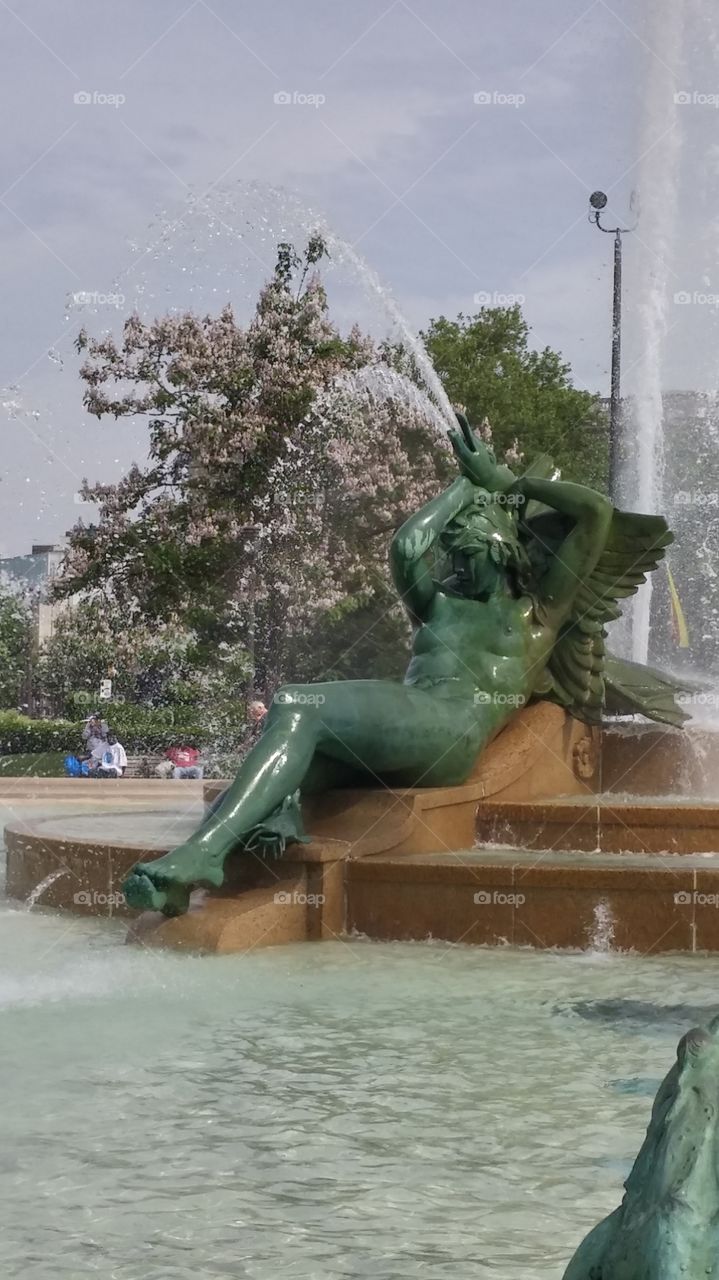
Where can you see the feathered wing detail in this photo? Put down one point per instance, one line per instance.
(630, 687)
(582, 674)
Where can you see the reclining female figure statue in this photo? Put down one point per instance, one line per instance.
(508, 583)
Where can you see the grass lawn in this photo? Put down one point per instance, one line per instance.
(48, 764)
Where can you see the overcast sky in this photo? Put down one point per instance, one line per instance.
(445, 197)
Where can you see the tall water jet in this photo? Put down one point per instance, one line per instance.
(671, 413)
(344, 252)
(221, 248)
(658, 169)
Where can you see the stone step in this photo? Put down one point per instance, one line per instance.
(642, 902)
(603, 824)
(91, 790)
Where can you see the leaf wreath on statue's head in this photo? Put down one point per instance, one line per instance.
(492, 528)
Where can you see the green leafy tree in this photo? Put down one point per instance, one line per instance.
(93, 639)
(486, 364)
(273, 484)
(16, 636)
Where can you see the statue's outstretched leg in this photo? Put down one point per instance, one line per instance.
(272, 772)
(317, 735)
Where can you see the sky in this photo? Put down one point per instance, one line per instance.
(452, 144)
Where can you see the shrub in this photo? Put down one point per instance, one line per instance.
(154, 729)
(19, 735)
(138, 728)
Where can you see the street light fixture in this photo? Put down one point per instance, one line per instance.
(598, 202)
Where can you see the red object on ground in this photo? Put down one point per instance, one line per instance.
(183, 756)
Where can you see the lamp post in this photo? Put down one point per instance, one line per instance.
(598, 202)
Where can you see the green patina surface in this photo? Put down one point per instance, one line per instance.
(509, 583)
(666, 1227)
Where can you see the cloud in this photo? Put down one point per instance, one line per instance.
(492, 189)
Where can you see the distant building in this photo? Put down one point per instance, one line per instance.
(33, 573)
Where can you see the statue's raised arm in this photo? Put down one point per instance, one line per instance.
(414, 542)
(587, 518)
(412, 545)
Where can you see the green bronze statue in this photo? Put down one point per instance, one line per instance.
(667, 1226)
(509, 583)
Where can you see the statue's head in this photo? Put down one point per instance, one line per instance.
(481, 546)
(680, 1156)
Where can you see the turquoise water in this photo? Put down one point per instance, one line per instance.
(331, 1111)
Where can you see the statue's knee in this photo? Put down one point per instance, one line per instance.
(286, 696)
(295, 697)
(298, 699)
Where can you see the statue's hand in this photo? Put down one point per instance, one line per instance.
(517, 493)
(476, 461)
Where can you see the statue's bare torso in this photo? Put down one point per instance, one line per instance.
(496, 647)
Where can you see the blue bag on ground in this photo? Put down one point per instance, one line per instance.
(75, 768)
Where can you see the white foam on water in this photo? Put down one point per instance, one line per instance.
(601, 938)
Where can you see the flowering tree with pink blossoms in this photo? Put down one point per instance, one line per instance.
(262, 517)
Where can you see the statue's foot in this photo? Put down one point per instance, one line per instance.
(165, 884)
(145, 894)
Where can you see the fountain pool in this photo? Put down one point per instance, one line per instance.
(332, 1111)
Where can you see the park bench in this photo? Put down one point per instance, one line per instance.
(142, 766)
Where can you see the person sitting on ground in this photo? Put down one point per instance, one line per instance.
(114, 761)
(181, 762)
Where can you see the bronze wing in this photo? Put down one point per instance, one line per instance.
(583, 677)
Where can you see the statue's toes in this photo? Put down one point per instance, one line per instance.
(177, 899)
(142, 894)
